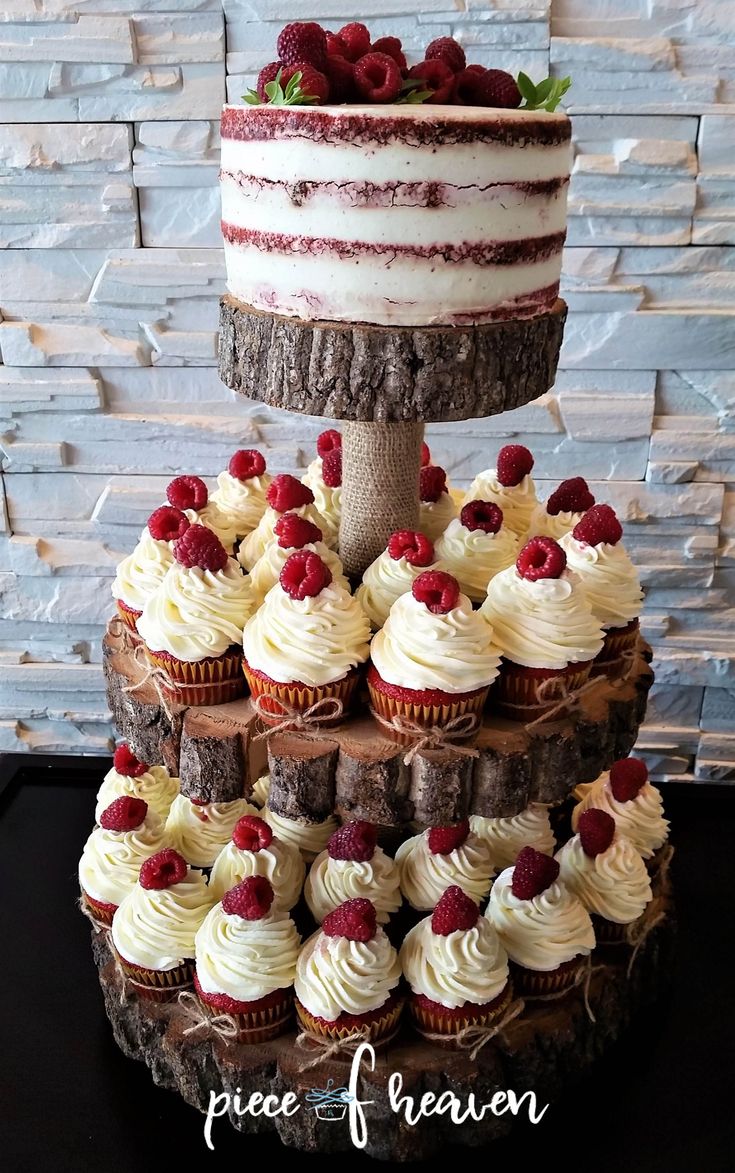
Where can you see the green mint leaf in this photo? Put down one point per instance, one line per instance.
(252, 98)
(411, 83)
(560, 89)
(527, 88)
(272, 90)
(545, 88)
(414, 97)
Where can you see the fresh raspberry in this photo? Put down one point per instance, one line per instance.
(304, 575)
(445, 840)
(294, 532)
(484, 515)
(286, 493)
(332, 469)
(124, 814)
(572, 496)
(425, 454)
(163, 869)
(439, 591)
(329, 441)
(355, 841)
(200, 547)
(599, 524)
(533, 873)
(355, 920)
(514, 463)
(432, 482)
(627, 777)
(252, 833)
(126, 763)
(312, 81)
(449, 51)
(393, 47)
(267, 74)
(167, 524)
(340, 74)
(302, 41)
(412, 545)
(541, 558)
(467, 86)
(377, 78)
(497, 88)
(436, 77)
(455, 912)
(251, 899)
(335, 45)
(356, 40)
(596, 831)
(246, 463)
(187, 493)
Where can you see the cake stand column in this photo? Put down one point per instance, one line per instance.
(380, 477)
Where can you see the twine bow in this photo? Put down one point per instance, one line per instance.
(474, 1037)
(153, 674)
(333, 1048)
(307, 722)
(223, 1025)
(567, 699)
(433, 736)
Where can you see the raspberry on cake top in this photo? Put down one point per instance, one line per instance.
(353, 866)
(191, 495)
(510, 486)
(476, 546)
(565, 507)
(140, 573)
(440, 857)
(437, 505)
(292, 533)
(634, 803)
(392, 573)
(604, 870)
(129, 832)
(324, 478)
(133, 777)
(241, 490)
(595, 552)
(254, 850)
(285, 494)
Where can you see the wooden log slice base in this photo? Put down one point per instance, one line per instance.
(356, 771)
(353, 371)
(547, 1049)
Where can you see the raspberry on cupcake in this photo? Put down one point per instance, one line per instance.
(353, 866)
(191, 495)
(408, 554)
(307, 641)
(253, 850)
(285, 494)
(634, 803)
(476, 546)
(435, 658)
(324, 478)
(200, 830)
(348, 977)
(441, 857)
(545, 929)
(128, 833)
(192, 625)
(507, 836)
(437, 505)
(565, 507)
(153, 929)
(545, 629)
(241, 490)
(292, 533)
(456, 967)
(133, 777)
(595, 552)
(510, 486)
(246, 951)
(140, 574)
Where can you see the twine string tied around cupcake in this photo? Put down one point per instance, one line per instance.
(154, 675)
(327, 1048)
(126, 981)
(307, 722)
(475, 1036)
(98, 925)
(639, 931)
(567, 699)
(423, 737)
(222, 1025)
(583, 978)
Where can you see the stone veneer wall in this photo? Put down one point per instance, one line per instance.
(111, 272)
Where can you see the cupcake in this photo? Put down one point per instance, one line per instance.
(545, 929)
(246, 952)
(324, 478)
(634, 803)
(507, 836)
(129, 832)
(437, 505)
(191, 495)
(192, 626)
(594, 552)
(347, 977)
(510, 486)
(456, 967)
(253, 850)
(199, 830)
(307, 641)
(353, 867)
(393, 573)
(155, 925)
(545, 629)
(440, 858)
(139, 576)
(130, 776)
(292, 533)
(435, 658)
(285, 495)
(241, 490)
(565, 507)
(606, 873)
(308, 838)
(476, 546)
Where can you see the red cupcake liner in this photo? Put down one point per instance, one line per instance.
(377, 1025)
(128, 615)
(516, 690)
(613, 660)
(157, 985)
(102, 912)
(433, 1018)
(214, 680)
(258, 1021)
(427, 709)
(297, 695)
(531, 983)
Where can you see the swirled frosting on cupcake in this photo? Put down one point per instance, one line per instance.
(266, 571)
(552, 525)
(332, 881)
(280, 863)
(155, 786)
(197, 613)
(140, 574)
(259, 794)
(327, 499)
(309, 838)
(200, 831)
(426, 873)
(609, 578)
(435, 516)
(257, 542)
(155, 928)
(246, 959)
(241, 503)
(384, 581)
(111, 860)
(454, 651)
(640, 819)
(336, 976)
(516, 501)
(220, 523)
(468, 965)
(545, 623)
(507, 836)
(614, 884)
(475, 557)
(541, 933)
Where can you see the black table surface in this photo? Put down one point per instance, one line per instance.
(660, 1099)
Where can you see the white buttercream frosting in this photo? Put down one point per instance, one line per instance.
(220, 523)
(111, 860)
(140, 574)
(609, 578)
(425, 876)
(474, 557)
(309, 838)
(280, 863)
(155, 927)
(468, 965)
(384, 581)
(506, 837)
(544, 932)
(197, 613)
(614, 883)
(516, 501)
(242, 503)
(257, 542)
(551, 525)
(200, 832)
(332, 881)
(259, 795)
(640, 819)
(336, 976)
(435, 516)
(156, 787)
(327, 500)
(265, 574)
(246, 959)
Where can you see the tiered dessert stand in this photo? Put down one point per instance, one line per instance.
(384, 383)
